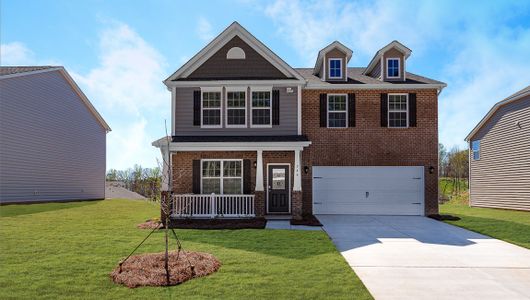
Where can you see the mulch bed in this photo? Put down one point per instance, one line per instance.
(148, 269)
(255, 223)
(443, 217)
(307, 220)
(149, 224)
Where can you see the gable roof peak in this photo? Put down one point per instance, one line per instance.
(394, 44)
(233, 30)
(333, 45)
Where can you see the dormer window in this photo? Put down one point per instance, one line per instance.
(392, 67)
(335, 68)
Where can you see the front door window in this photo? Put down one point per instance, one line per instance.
(278, 179)
(278, 189)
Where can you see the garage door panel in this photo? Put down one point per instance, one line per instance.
(368, 183)
(368, 190)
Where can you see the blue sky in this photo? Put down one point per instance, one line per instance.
(120, 51)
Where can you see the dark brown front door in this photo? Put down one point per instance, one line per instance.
(278, 181)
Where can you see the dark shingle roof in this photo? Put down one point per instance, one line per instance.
(22, 69)
(211, 139)
(355, 76)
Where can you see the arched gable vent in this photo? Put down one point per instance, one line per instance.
(235, 53)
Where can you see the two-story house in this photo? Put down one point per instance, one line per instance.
(252, 136)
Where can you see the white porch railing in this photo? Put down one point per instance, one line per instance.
(204, 206)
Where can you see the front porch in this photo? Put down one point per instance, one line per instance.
(212, 206)
(230, 180)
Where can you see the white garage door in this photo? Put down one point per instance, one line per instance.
(368, 190)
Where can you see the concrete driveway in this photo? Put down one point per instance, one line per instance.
(401, 257)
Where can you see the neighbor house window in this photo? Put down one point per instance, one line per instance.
(222, 177)
(337, 111)
(261, 108)
(475, 147)
(236, 112)
(211, 109)
(335, 68)
(397, 110)
(392, 67)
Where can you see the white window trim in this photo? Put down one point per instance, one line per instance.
(473, 150)
(260, 89)
(236, 89)
(329, 68)
(221, 177)
(220, 91)
(388, 110)
(337, 111)
(399, 67)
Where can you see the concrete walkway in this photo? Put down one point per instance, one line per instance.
(401, 257)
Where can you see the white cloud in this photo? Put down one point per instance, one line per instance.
(129, 74)
(126, 87)
(16, 53)
(204, 29)
(485, 71)
(364, 26)
(468, 46)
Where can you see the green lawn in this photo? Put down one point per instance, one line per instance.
(508, 225)
(67, 250)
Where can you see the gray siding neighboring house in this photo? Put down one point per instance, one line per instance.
(500, 175)
(52, 140)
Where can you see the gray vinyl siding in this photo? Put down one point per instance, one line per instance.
(501, 177)
(51, 145)
(254, 66)
(184, 116)
(335, 53)
(394, 53)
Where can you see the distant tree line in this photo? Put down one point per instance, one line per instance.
(454, 164)
(144, 181)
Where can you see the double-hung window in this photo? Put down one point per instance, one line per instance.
(335, 68)
(211, 108)
(337, 111)
(236, 110)
(222, 176)
(261, 108)
(398, 110)
(392, 65)
(475, 147)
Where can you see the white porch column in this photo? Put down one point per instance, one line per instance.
(297, 185)
(166, 176)
(259, 171)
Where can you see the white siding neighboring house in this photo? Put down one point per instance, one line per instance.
(52, 140)
(499, 160)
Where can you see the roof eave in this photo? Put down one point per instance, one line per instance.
(495, 107)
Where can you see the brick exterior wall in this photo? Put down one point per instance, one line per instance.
(369, 144)
(183, 172)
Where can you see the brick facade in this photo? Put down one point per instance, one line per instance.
(183, 172)
(366, 144)
(369, 144)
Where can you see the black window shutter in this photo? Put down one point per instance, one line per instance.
(246, 177)
(412, 110)
(323, 110)
(351, 110)
(275, 107)
(196, 175)
(196, 108)
(384, 110)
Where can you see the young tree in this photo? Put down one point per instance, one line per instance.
(442, 160)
